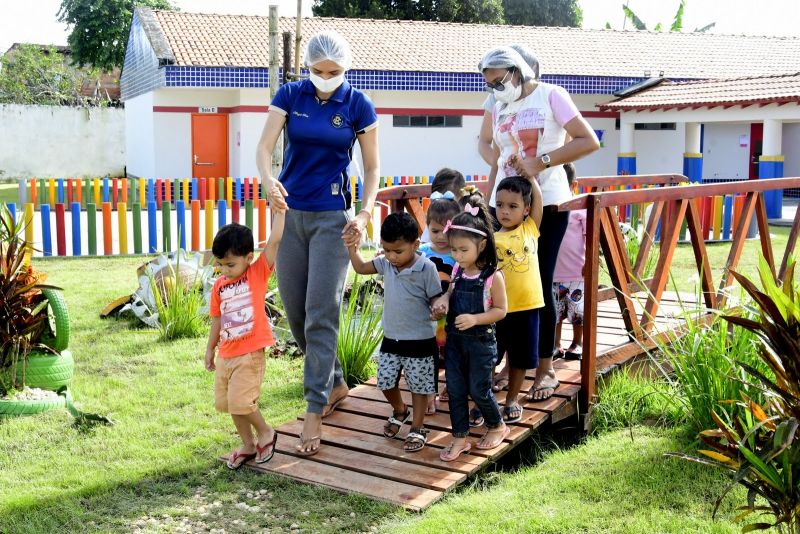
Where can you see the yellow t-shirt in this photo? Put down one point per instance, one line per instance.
(518, 259)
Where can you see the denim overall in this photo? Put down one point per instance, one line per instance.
(470, 356)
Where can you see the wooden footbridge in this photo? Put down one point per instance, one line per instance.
(620, 323)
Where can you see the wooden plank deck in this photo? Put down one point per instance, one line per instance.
(356, 458)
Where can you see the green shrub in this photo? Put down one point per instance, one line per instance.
(360, 332)
(701, 364)
(626, 400)
(178, 302)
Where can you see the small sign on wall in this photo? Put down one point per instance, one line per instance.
(599, 134)
(744, 140)
(207, 109)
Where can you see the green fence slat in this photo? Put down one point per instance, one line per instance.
(248, 213)
(166, 218)
(137, 228)
(91, 225)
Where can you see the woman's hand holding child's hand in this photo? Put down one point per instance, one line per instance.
(527, 167)
(351, 239)
(209, 362)
(466, 321)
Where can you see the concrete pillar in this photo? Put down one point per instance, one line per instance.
(770, 165)
(626, 159)
(692, 157)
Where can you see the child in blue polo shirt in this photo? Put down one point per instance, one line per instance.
(410, 283)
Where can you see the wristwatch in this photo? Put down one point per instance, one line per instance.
(546, 160)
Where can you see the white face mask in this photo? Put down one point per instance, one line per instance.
(326, 86)
(509, 93)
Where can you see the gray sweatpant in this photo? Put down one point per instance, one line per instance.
(312, 268)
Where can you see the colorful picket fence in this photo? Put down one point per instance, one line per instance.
(98, 191)
(112, 216)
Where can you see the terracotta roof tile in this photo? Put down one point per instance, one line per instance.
(214, 40)
(711, 93)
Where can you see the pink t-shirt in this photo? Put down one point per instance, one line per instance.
(572, 254)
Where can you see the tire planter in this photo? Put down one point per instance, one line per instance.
(59, 320)
(48, 371)
(16, 408)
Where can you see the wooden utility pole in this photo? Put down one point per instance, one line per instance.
(288, 76)
(274, 66)
(298, 37)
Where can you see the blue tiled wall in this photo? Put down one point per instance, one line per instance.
(385, 80)
(141, 73)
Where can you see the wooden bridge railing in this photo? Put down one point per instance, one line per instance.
(672, 205)
(670, 200)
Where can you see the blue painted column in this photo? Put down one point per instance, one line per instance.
(626, 159)
(693, 166)
(626, 163)
(772, 167)
(692, 155)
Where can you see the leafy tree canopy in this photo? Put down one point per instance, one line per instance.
(100, 29)
(485, 11)
(31, 75)
(543, 12)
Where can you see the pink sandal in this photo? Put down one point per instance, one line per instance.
(448, 454)
(496, 443)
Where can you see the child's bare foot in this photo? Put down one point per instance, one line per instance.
(310, 436)
(494, 437)
(238, 457)
(433, 405)
(454, 450)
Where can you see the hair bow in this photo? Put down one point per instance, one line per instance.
(472, 210)
(447, 195)
(447, 226)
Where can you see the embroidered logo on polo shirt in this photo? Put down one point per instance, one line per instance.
(337, 120)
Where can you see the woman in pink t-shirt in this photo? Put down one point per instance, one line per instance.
(531, 121)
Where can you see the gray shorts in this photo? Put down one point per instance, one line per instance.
(420, 373)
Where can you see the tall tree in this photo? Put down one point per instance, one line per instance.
(481, 11)
(100, 29)
(31, 75)
(543, 12)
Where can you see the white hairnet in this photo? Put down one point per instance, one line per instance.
(328, 45)
(505, 57)
(529, 58)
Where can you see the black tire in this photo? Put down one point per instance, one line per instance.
(59, 320)
(17, 408)
(48, 371)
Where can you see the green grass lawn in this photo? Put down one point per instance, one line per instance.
(156, 470)
(9, 193)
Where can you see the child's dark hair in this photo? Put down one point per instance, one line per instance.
(442, 210)
(448, 180)
(517, 184)
(569, 168)
(399, 226)
(481, 222)
(233, 238)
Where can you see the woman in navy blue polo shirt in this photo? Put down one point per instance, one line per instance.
(323, 116)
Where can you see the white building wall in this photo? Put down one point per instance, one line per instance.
(723, 157)
(173, 145)
(139, 136)
(791, 149)
(61, 141)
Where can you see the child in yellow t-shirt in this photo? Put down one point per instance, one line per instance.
(519, 211)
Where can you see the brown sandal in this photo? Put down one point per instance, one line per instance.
(298, 450)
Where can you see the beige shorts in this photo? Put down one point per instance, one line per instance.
(237, 383)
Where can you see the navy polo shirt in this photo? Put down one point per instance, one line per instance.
(321, 137)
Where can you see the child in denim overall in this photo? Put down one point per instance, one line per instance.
(475, 301)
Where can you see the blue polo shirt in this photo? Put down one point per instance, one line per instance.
(321, 137)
